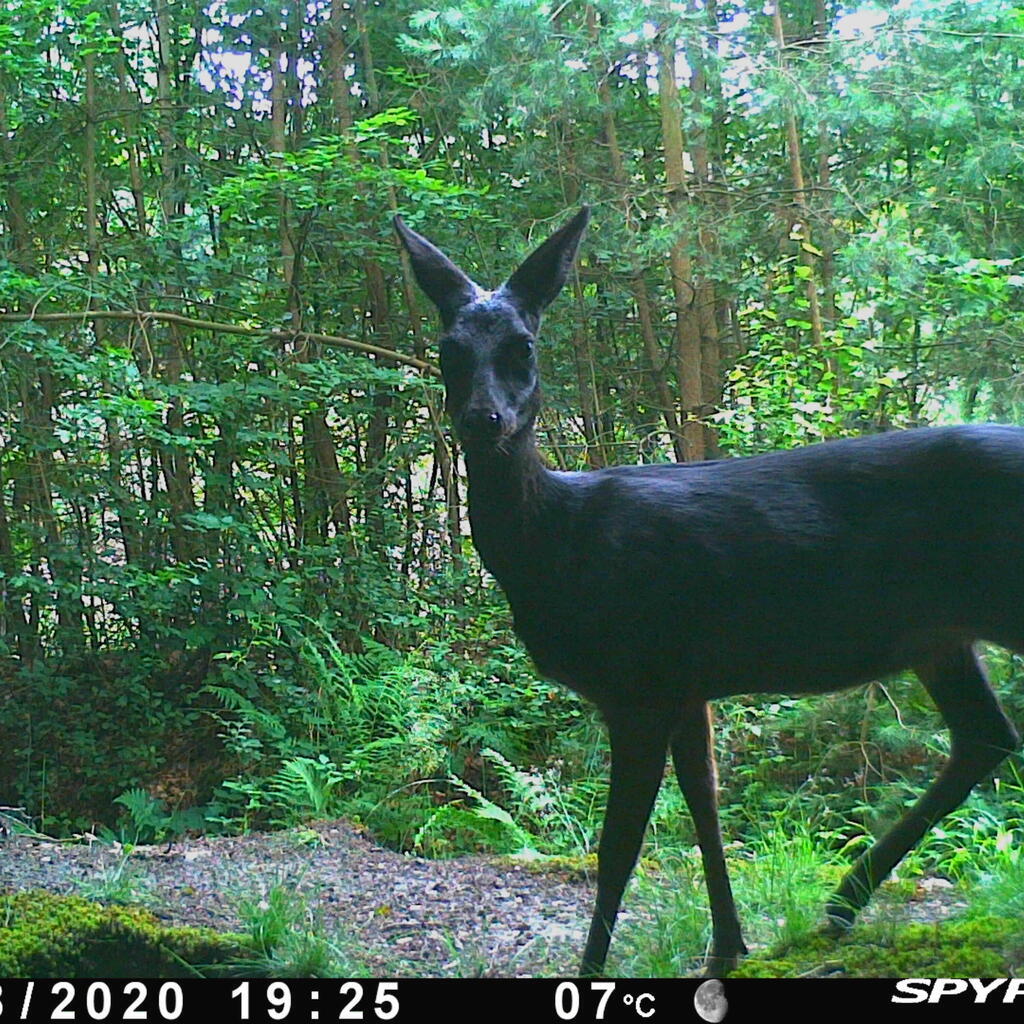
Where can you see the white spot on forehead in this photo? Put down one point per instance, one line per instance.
(490, 304)
(491, 310)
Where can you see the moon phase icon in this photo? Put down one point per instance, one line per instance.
(710, 1002)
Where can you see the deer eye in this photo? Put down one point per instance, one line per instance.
(521, 348)
(456, 358)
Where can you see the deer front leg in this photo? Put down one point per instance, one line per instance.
(696, 771)
(639, 740)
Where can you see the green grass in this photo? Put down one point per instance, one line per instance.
(780, 883)
(781, 880)
(289, 940)
(122, 882)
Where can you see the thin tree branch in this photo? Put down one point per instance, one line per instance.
(143, 316)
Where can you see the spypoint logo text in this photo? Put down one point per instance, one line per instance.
(931, 990)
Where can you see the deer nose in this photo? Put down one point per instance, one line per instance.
(482, 422)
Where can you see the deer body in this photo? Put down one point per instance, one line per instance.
(801, 571)
(651, 590)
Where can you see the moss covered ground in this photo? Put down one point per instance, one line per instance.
(987, 947)
(43, 934)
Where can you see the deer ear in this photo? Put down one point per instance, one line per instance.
(541, 275)
(442, 282)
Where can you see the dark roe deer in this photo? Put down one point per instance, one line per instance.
(654, 589)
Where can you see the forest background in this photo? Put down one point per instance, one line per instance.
(236, 584)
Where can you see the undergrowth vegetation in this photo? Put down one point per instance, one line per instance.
(455, 746)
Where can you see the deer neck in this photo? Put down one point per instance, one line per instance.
(508, 489)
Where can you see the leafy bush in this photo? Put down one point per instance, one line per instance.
(80, 733)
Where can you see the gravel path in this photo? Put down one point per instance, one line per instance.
(395, 915)
(402, 915)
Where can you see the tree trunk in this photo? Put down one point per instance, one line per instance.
(801, 229)
(656, 365)
(826, 234)
(175, 462)
(689, 346)
(703, 96)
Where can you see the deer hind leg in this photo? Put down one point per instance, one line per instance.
(980, 737)
(639, 741)
(697, 773)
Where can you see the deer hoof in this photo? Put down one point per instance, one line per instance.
(838, 921)
(722, 963)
